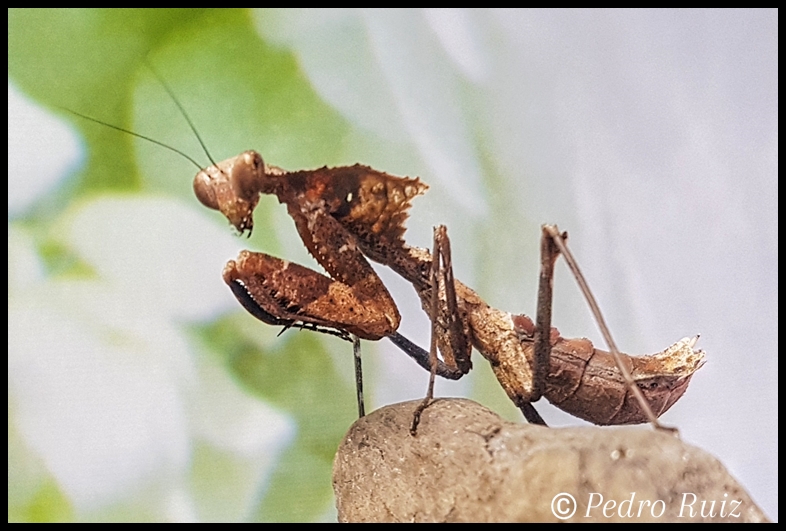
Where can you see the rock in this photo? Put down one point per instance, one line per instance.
(466, 464)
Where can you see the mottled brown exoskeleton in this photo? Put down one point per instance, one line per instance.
(352, 298)
(347, 214)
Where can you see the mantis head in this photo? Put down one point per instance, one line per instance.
(232, 187)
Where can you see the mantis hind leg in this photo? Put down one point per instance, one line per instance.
(542, 341)
(558, 243)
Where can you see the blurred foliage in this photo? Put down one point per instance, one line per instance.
(240, 93)
(298, 377)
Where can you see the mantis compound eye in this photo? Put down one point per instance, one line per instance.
(254, 159)
(205, 191)
(247, 175)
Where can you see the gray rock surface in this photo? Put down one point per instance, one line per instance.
(466, 464)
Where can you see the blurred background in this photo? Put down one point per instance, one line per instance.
(137, 387)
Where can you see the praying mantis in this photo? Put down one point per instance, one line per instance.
(345, 215)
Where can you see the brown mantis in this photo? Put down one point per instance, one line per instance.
(346, 214)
